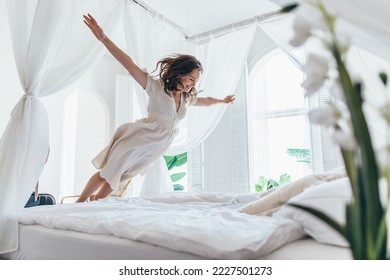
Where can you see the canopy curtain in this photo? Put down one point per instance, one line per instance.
(279, 30)
(223, 59)
(47, 61)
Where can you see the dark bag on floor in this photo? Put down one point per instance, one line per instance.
(43, 199)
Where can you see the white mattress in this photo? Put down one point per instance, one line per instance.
(40, 243)
(204, 225)
(309, 249)
(167, 226)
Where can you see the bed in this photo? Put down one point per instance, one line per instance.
(182, 225)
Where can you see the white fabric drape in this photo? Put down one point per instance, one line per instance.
(47, 61)
(223, 59)
(280, 30)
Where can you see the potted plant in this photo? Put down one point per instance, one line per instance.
(176, 161)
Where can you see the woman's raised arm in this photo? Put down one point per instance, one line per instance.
(121, 56)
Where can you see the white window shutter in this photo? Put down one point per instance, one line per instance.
(238, 163)
(195, 169)
(325, 153)
(239, 130)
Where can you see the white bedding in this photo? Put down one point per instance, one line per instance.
(40, 243)
(207, 225)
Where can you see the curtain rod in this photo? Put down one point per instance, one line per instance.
(233, 26)
(218, 31)
(174, 25)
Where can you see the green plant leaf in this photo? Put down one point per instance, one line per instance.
(272, 184)
(303, 155)
(178, 187)
(261, 184)
(181, 159)
(381, 245)
(170, 161)
(284, 179)
(178, 176)
(354, 234)
(174, 161)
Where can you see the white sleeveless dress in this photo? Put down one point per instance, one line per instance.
(135, 146)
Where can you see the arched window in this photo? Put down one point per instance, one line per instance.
(279, 131)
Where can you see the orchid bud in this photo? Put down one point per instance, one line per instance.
(289, 8)
(345, 140)
(383, 77)
(316, 69)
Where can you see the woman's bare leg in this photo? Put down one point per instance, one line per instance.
(93, 184)
(103, 192)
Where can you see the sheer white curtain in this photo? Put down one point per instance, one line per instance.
(223, 59)
(280, 30)
(52, 48)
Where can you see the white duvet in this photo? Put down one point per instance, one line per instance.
(207, 224)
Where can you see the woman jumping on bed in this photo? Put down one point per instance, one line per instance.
(135, 146)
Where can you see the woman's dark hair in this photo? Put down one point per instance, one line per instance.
(174, 67)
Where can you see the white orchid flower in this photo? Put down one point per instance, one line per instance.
(385, 111)
(343, 40)
(316, 69)
(327, 115)
(337, 92)
(382, 156)
(308, 11)
(344, 139)
(301, 32)
(321, 16)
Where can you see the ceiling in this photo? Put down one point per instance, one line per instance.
(197, 16)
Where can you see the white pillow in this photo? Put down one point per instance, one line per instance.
(331, 198)
(271, 202)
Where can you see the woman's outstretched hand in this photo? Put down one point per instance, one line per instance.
(229, 99)
(95, 28)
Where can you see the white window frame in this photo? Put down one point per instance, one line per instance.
(325, 154)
